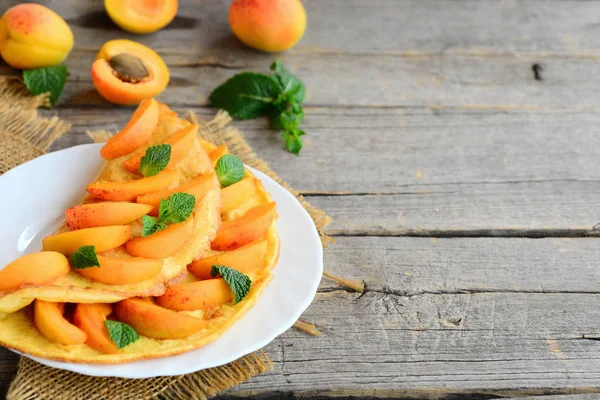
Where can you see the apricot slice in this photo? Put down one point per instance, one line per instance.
(34, 269)
(127, 72)
(235, 195)
(198, 187)
(199, 295)
(244, 259)
(90, 319)
(103, 238)
(162, 243)
(128, 191)
(51, 323)
(137, 131)
(122, 270)
(218, 153)
(157, 322)
(181, 143)
(104, 214)
(141, 16)
(249, 227)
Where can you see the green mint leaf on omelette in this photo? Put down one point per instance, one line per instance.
(155, 160)
(84, 257)
(151, 225)
(47, 79)
(239, 283)
(290, 84)
(229, 170)
(121, 333)
(176, 208)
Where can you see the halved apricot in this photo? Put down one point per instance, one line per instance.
(34, 269)
(218, 153)
(104, 214)
(162, 243)
(244, 259)
(249, 227)
(141, 16)
(235, 195)
(207, 146)
(103, 238)
(157, 322)
(181, 143)
(90, 319)
(49, 320)
(198, 187)
(128, 191)
(137, 131)
(199, 295)
(122, 270)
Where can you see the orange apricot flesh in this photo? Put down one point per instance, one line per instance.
(90, 319)
(199, 295)
(141, 16)
(244, 259)
(103, 238)
(104, 214)
(34, 269)
(163, 243)
(249, 227)
(156, 322)
(122, 270)
(218, 153)
(235, 195)
(128, 191)
(49, 320)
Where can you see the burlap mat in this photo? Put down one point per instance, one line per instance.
(23, 136)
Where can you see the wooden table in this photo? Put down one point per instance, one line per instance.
(463, 184)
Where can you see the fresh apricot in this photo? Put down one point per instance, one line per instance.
(156, 322)
(34, 269)
(249, 227)
(130, 190)
(137, 131)
(268, 25)
(49, 320)
(218, 153)
(181, 143)
(103, 238)
(235, 195)
(127, 72)
(141, 16)
(90, 319)
(104, 214)
(33, 36)
(122, 270)
(244, 259)
(199, 295)
(162, 243)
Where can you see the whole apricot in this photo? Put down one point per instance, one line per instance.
(33, 36)
(268, 25)
(141, 16)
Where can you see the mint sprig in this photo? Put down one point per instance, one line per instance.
(46, 79)
(229, 170)
(120, 333)
(84, 257)
(239, 283)
(279, 96)
(155, 160)
(175, 209)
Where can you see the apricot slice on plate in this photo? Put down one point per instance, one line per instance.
(198, 187)
(104, 214)
(49, 320)
(137, 131)
(181, 143)
(103, 238)
(90, 319)
(245, 259)
(218, 153)
(127, 72)
(141, 16)
(249, 227)
(128, 191)
(157, 322)
(199, 295)
(234, 195)
(162, 243)
(122, 270)
(34, 269)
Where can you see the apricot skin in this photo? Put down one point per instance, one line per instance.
(49, 320)
(244, 259)
(33, 36)
(90, 319)
(103, 238)
(34, 269)
(141, 16)
(130, 190)
(163, 243)
(104, 214)
(268, 25)
(249, 227)
(122, 270)
(199, 295)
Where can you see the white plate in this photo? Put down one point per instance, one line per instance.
(36, 195)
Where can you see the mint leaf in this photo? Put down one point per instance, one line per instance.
(47, 79)
(246, 95)
(239, 283)
(151, 225)
(177, 208)
(121, 333)
(155, 160)
(293, 143)
(84, 257)
(287, 120)
(229, 170)
(290, 84)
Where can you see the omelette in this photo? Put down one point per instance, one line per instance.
(91, 315)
